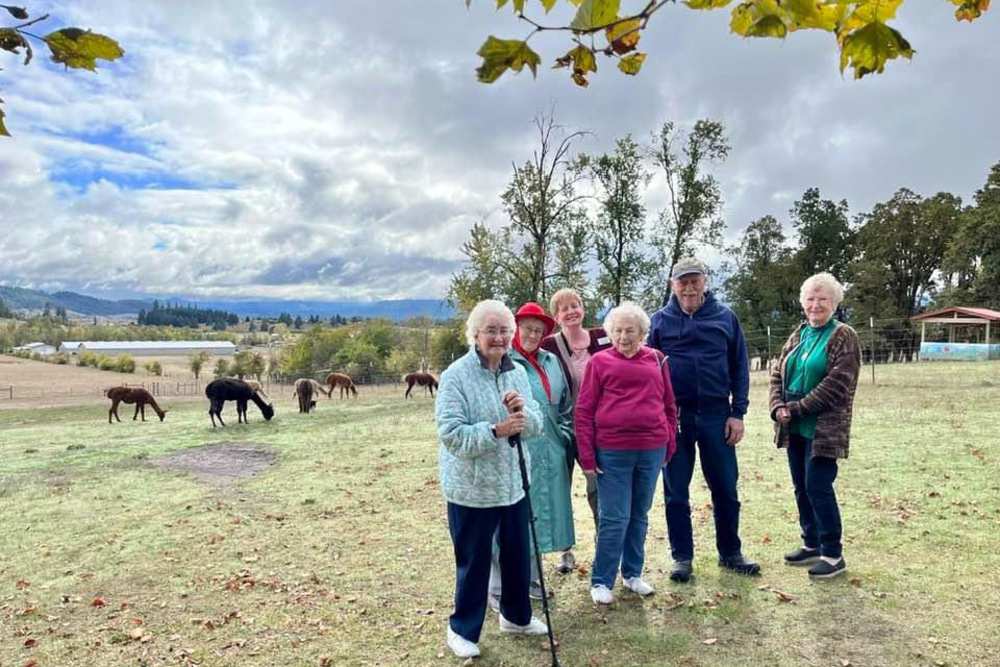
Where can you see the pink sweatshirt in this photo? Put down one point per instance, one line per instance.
(625, 404)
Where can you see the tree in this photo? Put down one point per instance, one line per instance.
(618, 234)
(196, 361)
(900, 248)
(972, 260)
(221, 368)
(71, 47)
(298, 321)
(602, 28)
(5, 312)
(542, 242)
(825, 235)
(695, 199)
(763, 287)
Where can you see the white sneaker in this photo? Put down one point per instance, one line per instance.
(461, 646)
(534, 627)
(638, 586)
(601, 594)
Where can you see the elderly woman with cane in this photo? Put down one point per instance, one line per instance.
(550, 497)
(485, 399)
(811, 398)
(626, 431)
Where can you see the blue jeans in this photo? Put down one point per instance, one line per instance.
(718, 465)
(472, 530)
(625, 492)
(819, 515)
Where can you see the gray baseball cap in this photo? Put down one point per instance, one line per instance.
(687, 266)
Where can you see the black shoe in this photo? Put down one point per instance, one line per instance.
(802, 556)
(740, 565)
(682, 571)
(823, 570)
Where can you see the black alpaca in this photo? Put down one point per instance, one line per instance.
(230, 389)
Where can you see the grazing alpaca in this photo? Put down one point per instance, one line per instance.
(305, 389)
(230, 389)
(425, 380)
(130, 395)
(257, 388)
(343, 381)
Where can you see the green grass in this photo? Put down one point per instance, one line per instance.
(341, 551)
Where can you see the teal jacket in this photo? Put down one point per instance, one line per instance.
(476, 469)
(551, 500)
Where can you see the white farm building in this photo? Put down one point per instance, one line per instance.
(43, 349)
(150, 348)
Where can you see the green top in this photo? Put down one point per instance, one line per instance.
(805, 368)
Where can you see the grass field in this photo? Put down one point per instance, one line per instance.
(338, 553)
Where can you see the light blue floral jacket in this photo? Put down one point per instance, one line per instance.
(478, 470)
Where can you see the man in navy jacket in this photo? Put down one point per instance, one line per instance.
(711, 378)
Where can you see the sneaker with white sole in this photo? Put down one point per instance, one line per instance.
(601, 594)
(534, 627)
(638, 586)
(824, 569)
(535, 591)
(461, 646)
(567, 562)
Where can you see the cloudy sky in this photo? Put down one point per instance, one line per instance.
(342, 150)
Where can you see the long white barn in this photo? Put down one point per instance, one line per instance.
(150, 348)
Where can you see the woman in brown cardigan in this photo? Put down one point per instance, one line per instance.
(811, 398)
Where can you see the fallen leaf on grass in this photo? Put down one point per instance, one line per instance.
(326, 661)
(844, 662)
(21, 584)
(98, 602)
(710, 641)
(783, 596)
(30, 642)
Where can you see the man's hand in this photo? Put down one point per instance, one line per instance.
(734, 431)
(783, 415)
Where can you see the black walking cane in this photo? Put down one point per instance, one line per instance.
(515, 441)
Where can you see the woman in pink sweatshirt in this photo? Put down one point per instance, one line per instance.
(626, 428)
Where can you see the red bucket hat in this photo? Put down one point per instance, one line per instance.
(533, 310)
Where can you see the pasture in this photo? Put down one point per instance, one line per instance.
(321, 539)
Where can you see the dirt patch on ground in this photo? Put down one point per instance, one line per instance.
(221, 463)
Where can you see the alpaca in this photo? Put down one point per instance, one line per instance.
(425, 380)
(230, 389)
(130, 395)
(343, 381)
(257, 388)
(305, 389)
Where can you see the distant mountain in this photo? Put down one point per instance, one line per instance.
(19, 298)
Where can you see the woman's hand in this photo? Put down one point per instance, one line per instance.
(593, 473)
(783, 415)
(513, 401)
(513, 425)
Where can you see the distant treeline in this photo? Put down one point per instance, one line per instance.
(187, 316)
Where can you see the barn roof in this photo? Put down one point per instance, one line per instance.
(157, 344)
(956, 311)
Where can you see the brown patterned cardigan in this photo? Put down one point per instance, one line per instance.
(831, 400)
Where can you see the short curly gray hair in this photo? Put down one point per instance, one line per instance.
(480, 312)
(824, 281)
(627, 309)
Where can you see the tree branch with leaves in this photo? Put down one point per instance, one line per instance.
(861, 30)
(71, 47)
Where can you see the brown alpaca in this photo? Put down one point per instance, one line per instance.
(425, 380)
(257, 388)
(305, 389)
(343, 381)
(130, 395)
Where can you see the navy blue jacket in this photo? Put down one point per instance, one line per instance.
(708, 355)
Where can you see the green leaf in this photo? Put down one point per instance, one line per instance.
(499, 55)
(624, 36)
(631, 64)
(17, 12)
(548, 5)
(869, 48)
(594, 14)
(707, 4)
(970, 10)
(762, 20)
(81, 48)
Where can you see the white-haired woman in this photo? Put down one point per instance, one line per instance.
(811, 399)
(626, 430)
(484, 398)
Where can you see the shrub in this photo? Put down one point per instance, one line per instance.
(153, 368)
(106, 363)
(60, 359)
(125, 364)
(87, 359)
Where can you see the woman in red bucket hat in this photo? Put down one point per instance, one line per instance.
(550, 488)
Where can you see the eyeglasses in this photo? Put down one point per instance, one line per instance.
(503, 332)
